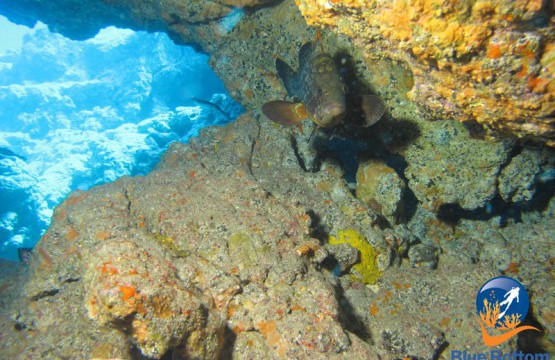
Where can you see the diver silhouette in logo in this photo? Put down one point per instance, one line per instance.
(507, 323)
(510, 296)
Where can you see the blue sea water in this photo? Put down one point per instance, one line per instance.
(75, 114)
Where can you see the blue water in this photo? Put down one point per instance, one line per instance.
(81, 113)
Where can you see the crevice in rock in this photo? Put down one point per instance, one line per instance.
(70, 280)
(296, 151)
(317, 228)
(44, 293)
(253, 148)
(516, 150)
(453, 213)
(129, 202)
(399, 164)
(440, 350)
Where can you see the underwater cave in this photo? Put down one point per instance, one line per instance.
(277, 179)
(77, 114)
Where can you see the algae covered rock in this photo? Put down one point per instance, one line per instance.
(187, 262)
(424, 255)
(517, 179)
(380, 187)
(447, 166)
(124, 291)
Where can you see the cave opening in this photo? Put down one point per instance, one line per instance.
(77, 114)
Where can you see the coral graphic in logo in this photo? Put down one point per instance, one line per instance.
(502, 303)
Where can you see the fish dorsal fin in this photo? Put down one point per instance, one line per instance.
(289, 77)
(304, 54)
(285, 113)
(373, 108)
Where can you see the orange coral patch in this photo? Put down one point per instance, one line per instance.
(239, 329)
(512, 268)
(102, 235)
(75, 199)
(273, 338)
(537, 84)
(523, 71)
(71, 235)
(128, 292)
(106, 268)
(494, 51)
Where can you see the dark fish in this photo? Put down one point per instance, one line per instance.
(5, 152)
(212, 105)
(24, 254)
(317, 91)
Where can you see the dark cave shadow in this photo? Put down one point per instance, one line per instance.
(316, 228)
(230, 338)
(530, 342)
(348, 143)
(349, 320)
(384, 142)
(453, 213)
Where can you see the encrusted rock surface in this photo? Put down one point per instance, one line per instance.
(221, 251)
(488, 61)
(447, 166)
(380, 187)
(171, 261)
(517, 181)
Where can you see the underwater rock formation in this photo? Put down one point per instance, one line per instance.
(498, 55)
(165, 269)
(222, 250)
(239, 221)
(518, 181)
(446, 166)
(381, 188)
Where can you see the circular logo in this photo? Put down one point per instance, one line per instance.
(502, 303)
